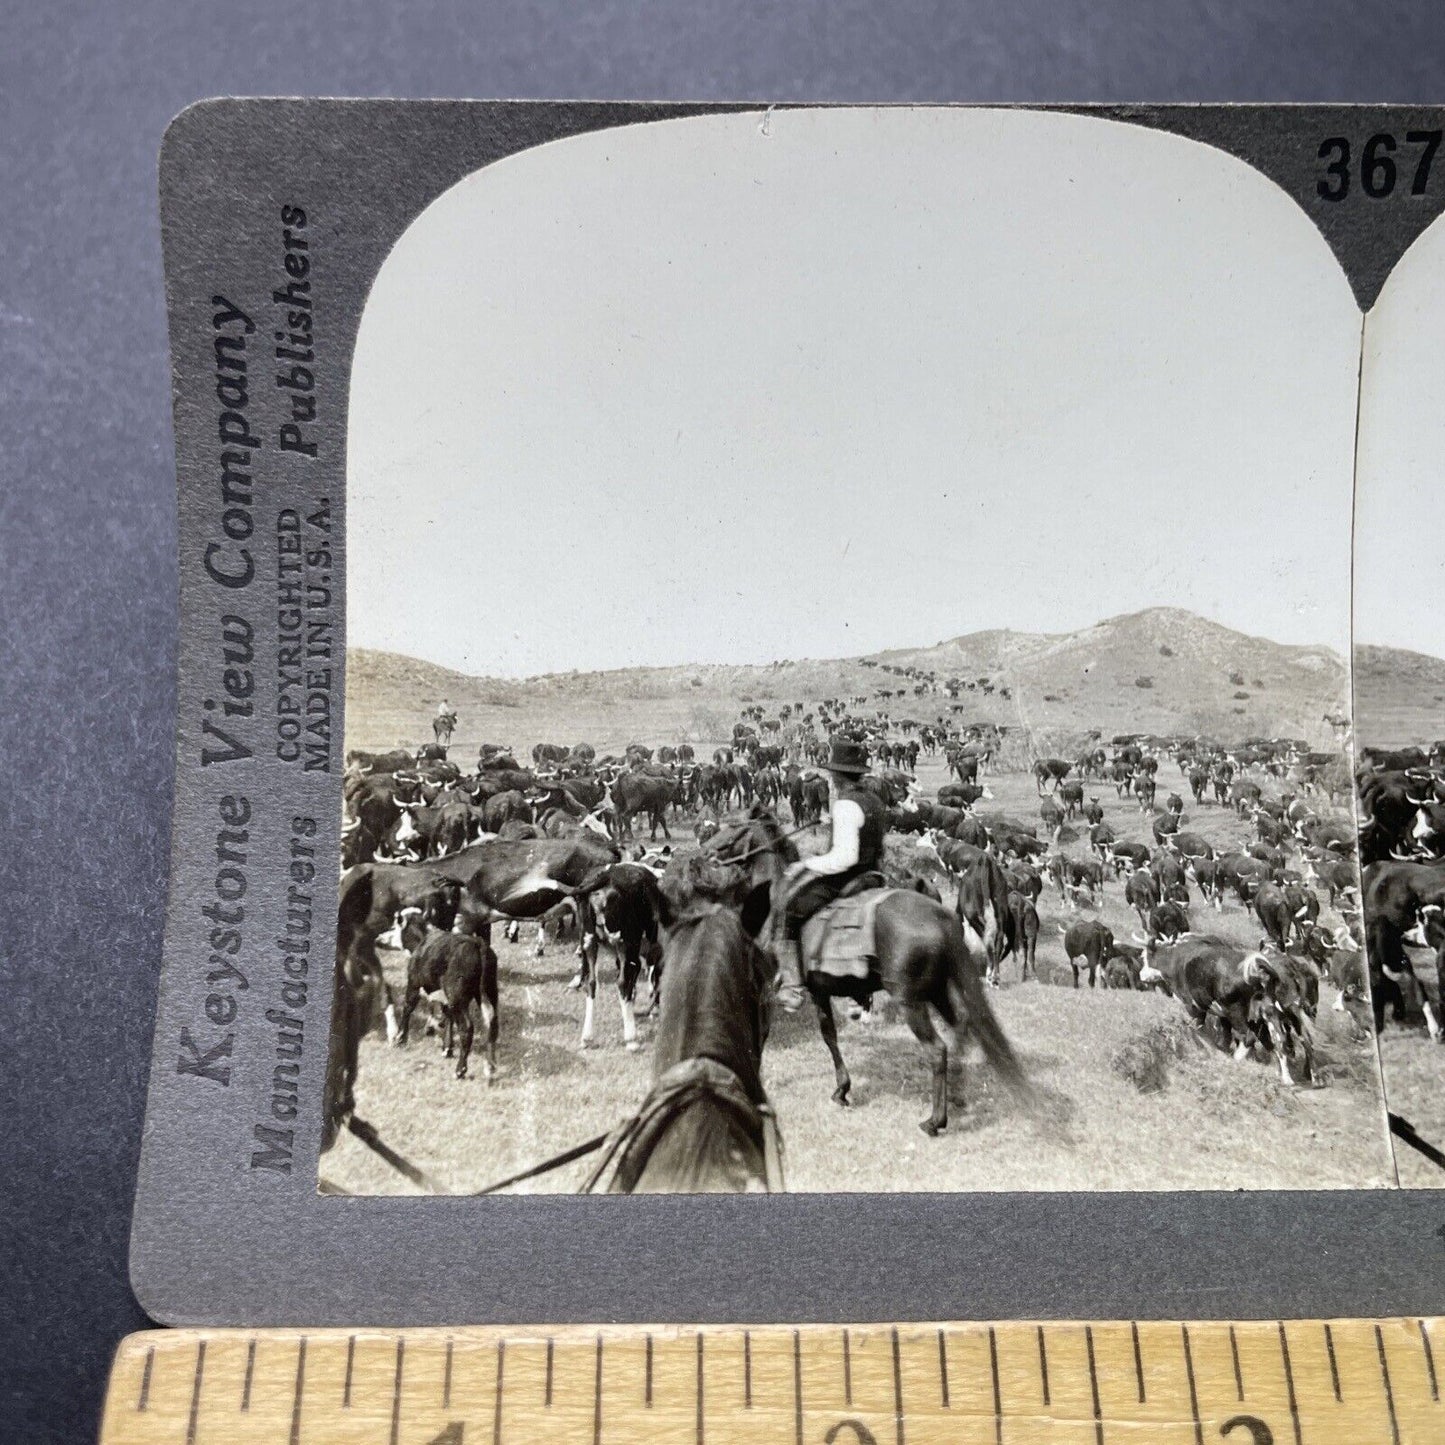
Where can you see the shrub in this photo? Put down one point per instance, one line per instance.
(1145, 1060)
(1144, 682)
(1165, 650)
(1240, 696)
(1237, 678)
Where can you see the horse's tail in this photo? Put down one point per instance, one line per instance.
(972, 1014)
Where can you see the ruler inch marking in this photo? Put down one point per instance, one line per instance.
(200, 1374)
(1138, 1359)
(547, 1393)
(943, 1367)
(497, 1403)
(447, 1378)
(350, 1362)
(1238, 1373)
(847, 1370)
(1043, 1364)
(997, 1396)
(1093, 1385)
(396, 1389)
(747, 1369)
(1289, 1384)
(597, 1397)
(797, 1387)
(699, 1387)
(1389, 1389)
(1334, 1367)
(298, 1392)
(897, 1388)
(1193, 1387)
(1429, 1361)
(250, 1371)
(143, 1399)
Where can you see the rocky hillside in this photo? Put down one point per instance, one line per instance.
(1161, 670)
(1399, 696)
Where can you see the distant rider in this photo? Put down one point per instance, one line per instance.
(857, 821)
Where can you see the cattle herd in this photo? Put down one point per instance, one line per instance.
(434, 854)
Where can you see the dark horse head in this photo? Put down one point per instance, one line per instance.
(705, 1125)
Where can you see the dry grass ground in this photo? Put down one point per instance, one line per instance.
(1215, 1123)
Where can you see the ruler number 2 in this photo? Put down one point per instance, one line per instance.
(1259, 1432)
(454, 1434)
(1378, 170)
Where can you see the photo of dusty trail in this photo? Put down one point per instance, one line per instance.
(1237, 827)
(846, 678)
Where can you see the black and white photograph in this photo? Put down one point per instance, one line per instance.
(847, 678)
(1399, 683)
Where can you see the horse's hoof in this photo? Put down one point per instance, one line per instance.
(634, 1046)
(931, 1129)
(840, 1097)
(575, 982)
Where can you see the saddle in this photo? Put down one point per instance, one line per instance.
(838, 939)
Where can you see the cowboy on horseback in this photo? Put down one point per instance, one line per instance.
(857, 824)
(444, 723)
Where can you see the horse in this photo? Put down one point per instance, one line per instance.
(442, 726)
(705, 1126)
(924, 961)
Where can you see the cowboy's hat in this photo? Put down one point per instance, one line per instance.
(850, 759)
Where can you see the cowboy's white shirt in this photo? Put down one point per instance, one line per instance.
(847, 822)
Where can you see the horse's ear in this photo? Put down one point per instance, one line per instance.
(756, 908)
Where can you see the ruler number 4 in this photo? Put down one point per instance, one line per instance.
(1378, 169)
(454, 1434)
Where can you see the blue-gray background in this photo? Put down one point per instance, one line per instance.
(87, 534)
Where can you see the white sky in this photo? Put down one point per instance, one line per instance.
(1399, 562)
(697, 392)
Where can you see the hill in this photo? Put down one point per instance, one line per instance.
(1399, 696)
(1061, 685)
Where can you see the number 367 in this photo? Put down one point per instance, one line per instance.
(1378, 168)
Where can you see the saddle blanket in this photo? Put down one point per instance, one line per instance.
(838, 939)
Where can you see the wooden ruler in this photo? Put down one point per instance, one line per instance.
(1341, 1382)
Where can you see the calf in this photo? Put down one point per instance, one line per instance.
(1089, 940)
(1123, 967)
(1071, 795)
(1094, 811)
(1026, 931)
(1053, 817)
(1141, 892)
(463, 969)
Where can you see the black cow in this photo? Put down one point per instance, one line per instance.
(1053, 770)
(1168, 920)
(633, 793)
(1395, 898)
(983, 909)
(1241, 999)
(1141, 892)
(1089, 940)
(1026, 931)
(463, 969)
